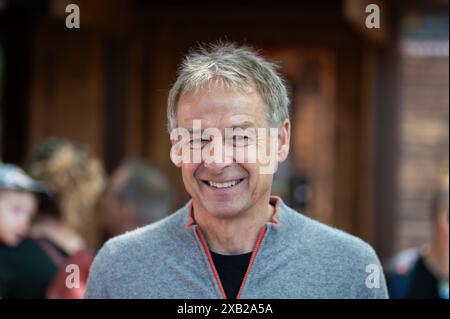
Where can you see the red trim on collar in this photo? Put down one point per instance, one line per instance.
(211, 263)
(213, 267)
(252, 260)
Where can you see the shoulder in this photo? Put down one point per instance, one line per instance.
(304, 230)
(348, 261)
(125, 256)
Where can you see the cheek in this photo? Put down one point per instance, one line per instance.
(188, 172)
(190, 168)
(11, 223)
(24, 224)
(24, 218)
(4, 223)
(251, 170)
(258, 181)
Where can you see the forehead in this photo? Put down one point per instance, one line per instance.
(218, 107)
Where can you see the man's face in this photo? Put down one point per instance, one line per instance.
(16, 211)
(225, 188)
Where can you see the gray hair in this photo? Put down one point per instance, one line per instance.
(147, 190)
(234, 67)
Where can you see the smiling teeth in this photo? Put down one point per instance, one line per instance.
(224, 185)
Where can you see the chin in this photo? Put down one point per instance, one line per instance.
(12, 242)
(223, 209)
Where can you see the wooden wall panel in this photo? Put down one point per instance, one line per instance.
(67, 86)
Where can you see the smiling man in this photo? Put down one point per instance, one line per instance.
(233, 239)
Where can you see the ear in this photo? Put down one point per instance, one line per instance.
(284, 137)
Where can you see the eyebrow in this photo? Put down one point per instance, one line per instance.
(244, 125)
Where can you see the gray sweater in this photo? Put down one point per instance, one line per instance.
(295, 257)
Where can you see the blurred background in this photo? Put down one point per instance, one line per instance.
(369, 113)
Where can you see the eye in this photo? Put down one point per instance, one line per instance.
(198, 143)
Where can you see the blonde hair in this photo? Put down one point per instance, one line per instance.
(75, 175)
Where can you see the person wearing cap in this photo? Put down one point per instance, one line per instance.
(18, 203)
(22, 264)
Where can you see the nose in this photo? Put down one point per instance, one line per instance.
(216, 166)
(217, 159)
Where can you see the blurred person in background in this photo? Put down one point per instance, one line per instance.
(423, 273)
(19, 258)
(65, 227)
(137, 194)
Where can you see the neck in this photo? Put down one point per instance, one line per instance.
(237, 235)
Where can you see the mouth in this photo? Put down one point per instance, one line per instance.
(223, 185)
